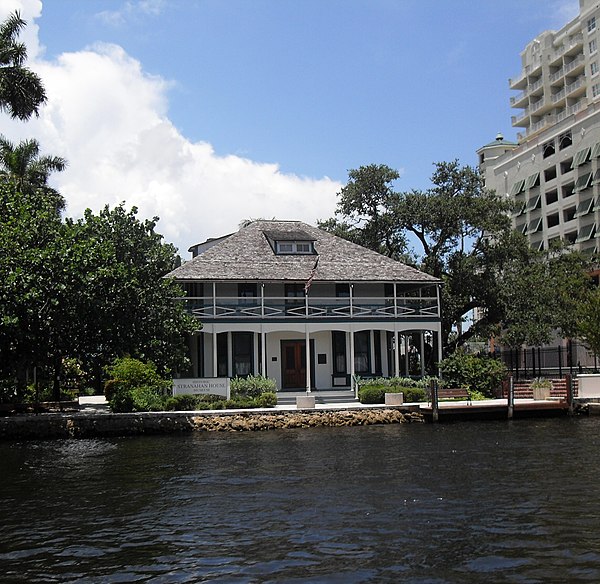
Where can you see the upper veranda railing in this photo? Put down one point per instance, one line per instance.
(309, 307)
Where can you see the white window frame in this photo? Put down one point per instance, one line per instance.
(593, 45)
(295, 247)
(591, 24)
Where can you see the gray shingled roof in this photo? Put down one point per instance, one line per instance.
(247, 255)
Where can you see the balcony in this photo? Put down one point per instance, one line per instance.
(209, 308)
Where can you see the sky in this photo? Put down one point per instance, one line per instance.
(207, 113)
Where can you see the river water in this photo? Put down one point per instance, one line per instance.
(468, 502)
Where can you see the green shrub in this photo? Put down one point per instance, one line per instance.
(482, 374)
(372, 394)
(148, 399)
(268, 399)
(252, 386)
(414, 394)
(135, 386)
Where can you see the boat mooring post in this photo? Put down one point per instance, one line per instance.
(570, 392)
(511, 397)
(434, 400)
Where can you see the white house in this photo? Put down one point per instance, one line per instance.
(307, 308)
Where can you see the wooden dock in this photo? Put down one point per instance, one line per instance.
(495, 409)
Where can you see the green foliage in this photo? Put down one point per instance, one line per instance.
(252, 386)
(21, 90)
(375, 394)
(476, 373)
(135, 386)
(414, 394)
(372, 394)
(588, 321)
(464, 237)
(268, 399)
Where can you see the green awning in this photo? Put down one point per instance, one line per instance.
(584, 207)
(581, 157)
(532, 181)
(517, 187)
(534, 203)
(586, 233)
(534, 226)
(583, 182)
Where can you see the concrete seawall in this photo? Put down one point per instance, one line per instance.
(78, 425)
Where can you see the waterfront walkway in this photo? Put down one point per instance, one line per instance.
(459, 409)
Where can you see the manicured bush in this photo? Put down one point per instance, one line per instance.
(268, 399)
(372, 394)
(474, 372)
(414, 394)
(252, 386)
(135, 386)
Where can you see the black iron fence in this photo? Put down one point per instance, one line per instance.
(548, 361)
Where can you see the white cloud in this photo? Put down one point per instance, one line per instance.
(109, 119)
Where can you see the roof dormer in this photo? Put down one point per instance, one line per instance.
(291, 242)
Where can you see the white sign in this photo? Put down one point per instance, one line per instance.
(202, 386)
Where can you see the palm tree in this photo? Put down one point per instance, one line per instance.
(23, 165)
(21, 90)
(27, 171)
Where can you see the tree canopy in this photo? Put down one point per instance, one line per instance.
(21, 90)
(461, 233)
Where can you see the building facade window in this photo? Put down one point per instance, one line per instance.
(591, 24)
(295, 247)
(362, 352)
(594, 67)
(243, 355)
(593, 45)
(338, 340)
(596, 90)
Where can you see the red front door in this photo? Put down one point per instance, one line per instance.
(293, 356)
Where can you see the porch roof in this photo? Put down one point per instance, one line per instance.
(247, 255)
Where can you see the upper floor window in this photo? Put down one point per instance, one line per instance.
(565, 140)
(593, 46)
(591, 24)
(594, 67)
(596, 90)
(295, 247)
(291, 242)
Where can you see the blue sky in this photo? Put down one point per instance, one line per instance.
(207, 112)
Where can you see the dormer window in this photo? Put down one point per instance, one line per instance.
(291, 242)
(294, 247)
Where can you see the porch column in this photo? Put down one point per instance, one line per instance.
(439, 344)
(353, 385)
(263, 351)
(422, 337)
(214, 353)
(229, 355)
(255, 355)
(372, 347)
(396, 353)
(406, 355)
(307, 347)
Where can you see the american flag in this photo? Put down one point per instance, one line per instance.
(311, 277)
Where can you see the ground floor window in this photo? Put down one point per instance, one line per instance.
(338, 340)
(362, 352)
(243, 354)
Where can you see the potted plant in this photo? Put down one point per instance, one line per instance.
(541, 388)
